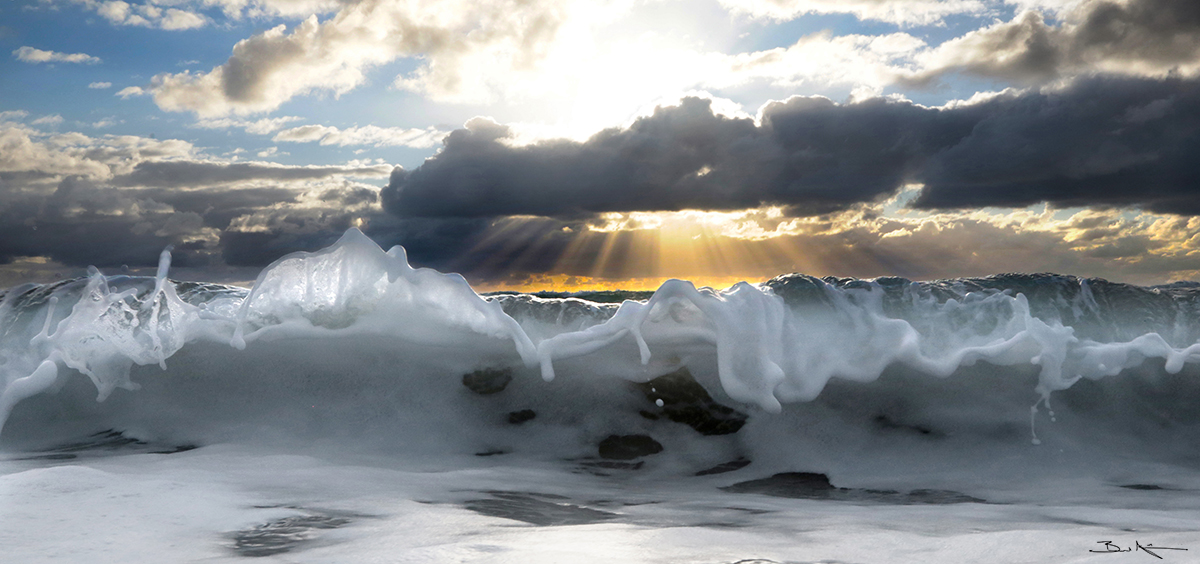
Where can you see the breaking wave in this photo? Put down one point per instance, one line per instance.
(351, 341)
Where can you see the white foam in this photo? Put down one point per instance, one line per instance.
(766, 353)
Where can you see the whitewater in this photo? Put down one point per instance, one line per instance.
(352, 408)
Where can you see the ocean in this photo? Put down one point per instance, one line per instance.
(352, 408)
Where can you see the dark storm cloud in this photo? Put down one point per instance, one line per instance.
(83, 223)
(183, 174)
(808, 152)
(192, 205)
(1139, 37)
(1100, 141)
(219, 207)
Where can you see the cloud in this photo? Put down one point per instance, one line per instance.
(238, 9)
(807, 152)
(130, 91)
(333, 56)
(1098, 142)
(1134, 37)
(147, 14)
(313, 220)
(365, 135)
(48, 120)
(906, 12)
(35, 162)
(823, 59)
(113, 200)
(187, 14)
(34, 157)
(262, 126)
(100, 85)
(1105, 141)
(31, 55)
(194, 173)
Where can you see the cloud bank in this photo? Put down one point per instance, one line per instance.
(29, 54)
(1134, 37)
(1103, 141)
(333, 56)
(895, 11)
(115, 200)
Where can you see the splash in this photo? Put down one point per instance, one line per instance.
(771, 344)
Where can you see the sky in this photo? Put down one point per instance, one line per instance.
(586, 144)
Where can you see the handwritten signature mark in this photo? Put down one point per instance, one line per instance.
(1109, 546)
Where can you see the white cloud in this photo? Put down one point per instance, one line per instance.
(573, 59)
(907, 12)
(333, 56)
(365, 135)
(179, 19)
(1132, 37)
(48, 120)
(258, 127)
(271, 152)
(100, 85)
(10, 115)
(50, 157)
(147, 14)
(237, 9)
(130, 91)
(824, 59)
(44, 159)
(31, 55)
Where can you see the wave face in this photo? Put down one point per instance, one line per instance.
(353, 342)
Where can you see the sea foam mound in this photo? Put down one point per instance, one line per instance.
(352, 346)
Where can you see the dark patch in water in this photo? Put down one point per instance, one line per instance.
(750, 511)
(488, 381)
(685, 401)
(613, 464)
(283, 535)
(601, 467)
(49, 457)
(108, 441)
(936, 497)
(887, 423)
(725, 467)
(527, 508)
(491, 452)
(628, 447)
(519, 417)
(175, 450)
(1144, 487)
(810, 485)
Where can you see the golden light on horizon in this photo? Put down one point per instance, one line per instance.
(641, 250)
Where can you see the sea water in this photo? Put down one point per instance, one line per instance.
(352, 408)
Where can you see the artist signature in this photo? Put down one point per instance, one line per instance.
(1109, 546)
